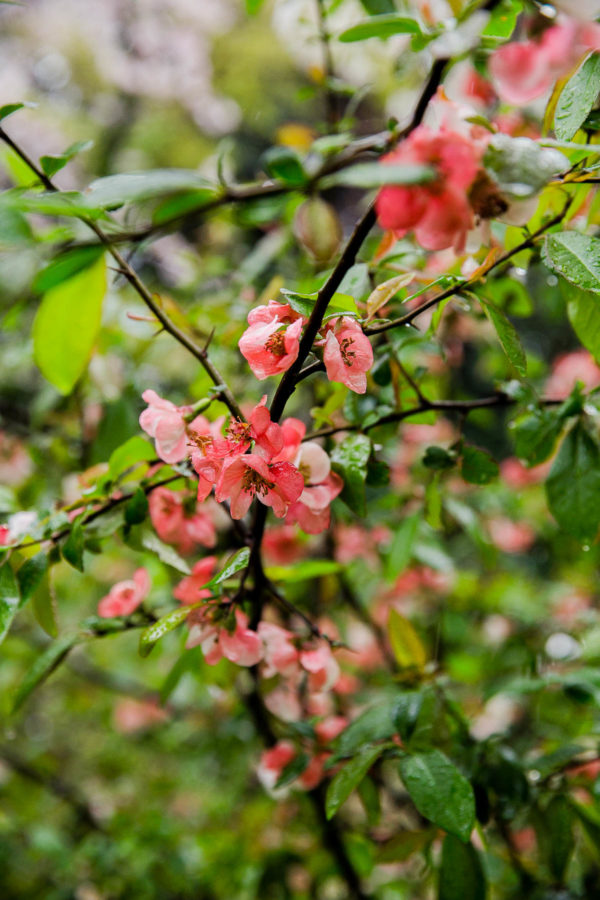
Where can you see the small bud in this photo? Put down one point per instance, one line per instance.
(318, 229)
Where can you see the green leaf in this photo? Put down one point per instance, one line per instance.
(376, 175)
(356, 281)
(284, 164)
(294, 768)
(440, 792)
(43, 666)
(67, 324)
(584, 315)
(44, 609)
(9, 598)
(234, 564)
(508, 337)
(478, 467)
(253, 6)
(133, 451)
(577, 98)
(573, 486)
(157, 630)
(72, 549)
(165, 553)
(576, 257)
(30, 576)
(438, 458)
(52, 203)
(304, 570)
(349, 459)
(381, 27)
(535, 434)
(400, 552)
(136, 509)
(559, 820)
(9, 108)
(64, 266)
(348, 778)
(405, 642)
(375, 724)
(53, 164)
(461, 874)
(134, 187)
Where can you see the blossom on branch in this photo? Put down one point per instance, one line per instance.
(348, 354)
(271, 343)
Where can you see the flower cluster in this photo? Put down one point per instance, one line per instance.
(271, 342)
(254, 459)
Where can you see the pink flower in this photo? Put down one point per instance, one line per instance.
(273, 761)
(270, 344)
(131, 716)
(168, 516)
(267, 435)
(245, 477)
(323, 670)
(191, 588)
(282, 545)
(312, 511)
(125, 596)
(280, 655)
(509, 536)
(329, 728)
(166, 424)
(438, 211)
(348, 354)
(570, 368)
(242, 646)
(524, 70)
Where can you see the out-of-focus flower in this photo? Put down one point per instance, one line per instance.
(125, 596)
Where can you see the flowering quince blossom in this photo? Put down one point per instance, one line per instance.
(125, 596)
(166, 423)
(312, 510)
(271, 343)
(191, 588)
(348, 354)
(171, 524)
(242, 646)
(323, 669)
(248, 476)
(439, 211)
(524, 70)
(279, 654)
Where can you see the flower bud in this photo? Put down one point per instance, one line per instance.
(318, 229)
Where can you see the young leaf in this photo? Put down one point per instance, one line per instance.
(478, 467)
(72, 549)
(43, 666)
(381, 27)
(349, 459)
(348, 778)
(30, 576)
(400, 551)
(384, 292)
(9, 598)
(136, 509)
(376, 175)
(134, 450)
(406, 644)
(535, 435)
(508, 337)
(157, 630)
(164, 552)
(375, 724)
(583, 308)
(440, 792)
(576, 257)
(303, 570)
(67, 324)
(461, 873)
(234, 564)
(53, 164)
(573, 486)
(64, 266)
(134, 187)
(284, 164)
(44, 609)
(578, 97)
